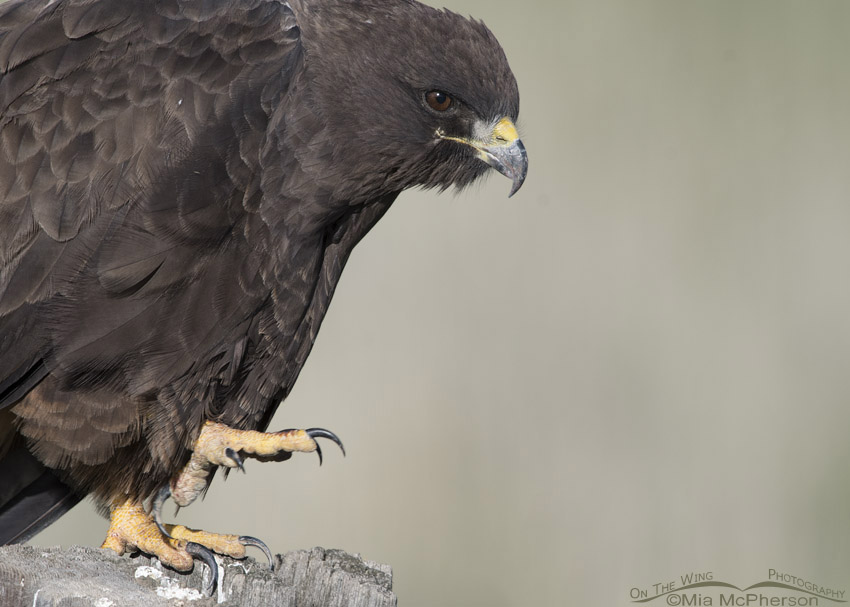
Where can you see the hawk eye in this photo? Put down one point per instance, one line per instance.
(438, 100)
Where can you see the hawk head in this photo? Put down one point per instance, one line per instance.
(410, 95)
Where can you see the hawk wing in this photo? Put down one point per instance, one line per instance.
(126, 146)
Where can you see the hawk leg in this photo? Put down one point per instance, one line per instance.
(220, 445)
(131, 527)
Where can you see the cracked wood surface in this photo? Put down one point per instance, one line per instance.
(90, 577)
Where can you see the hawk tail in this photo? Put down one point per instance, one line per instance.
(31, 496)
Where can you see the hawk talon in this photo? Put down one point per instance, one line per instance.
(234, 455)
(315, 433)
(206, 555)
(156, 508)
(247, 540)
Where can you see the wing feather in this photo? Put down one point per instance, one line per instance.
(118, 197)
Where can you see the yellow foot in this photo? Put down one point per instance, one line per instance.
(220, 543)
(217, 443)
(131, 528)
(220, 445)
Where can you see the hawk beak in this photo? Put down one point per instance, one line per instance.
(505, 153)
(501, 148)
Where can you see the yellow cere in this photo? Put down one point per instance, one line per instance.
(505, 131)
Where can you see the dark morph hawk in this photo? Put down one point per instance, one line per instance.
(181, 184)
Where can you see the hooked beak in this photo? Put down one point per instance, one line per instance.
(501, 148)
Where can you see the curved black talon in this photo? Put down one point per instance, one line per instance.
(247, 540)
(234, 455)
(206, 555)
(156, 508)
(315, 433)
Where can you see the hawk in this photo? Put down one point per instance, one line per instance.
(181, 184)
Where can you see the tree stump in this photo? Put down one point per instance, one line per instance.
(90, 577)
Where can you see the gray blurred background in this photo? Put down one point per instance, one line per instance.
(637, 367)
